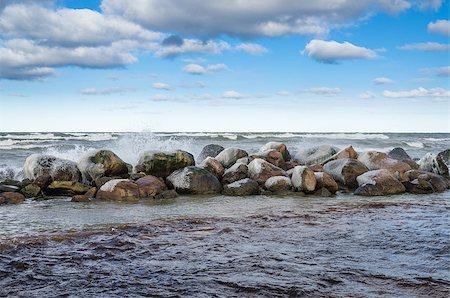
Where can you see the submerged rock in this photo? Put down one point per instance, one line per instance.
(229, 156)
(237, 172)
(374, 160)
(37, 165)
(102, 163)
(11, 198)
(150, 186)
(194, 180)
(303, 179)
(325, 180)
(214, 166)
(211, 150)
(315, 155)
(433, 163)
(244, 187)
(66, 188)
(378, 183)
(118, 190)
(278, 184)
(261, 170)
(90, 194)
(162, 164)
(280, 147)
(345, 171)
(421, 182)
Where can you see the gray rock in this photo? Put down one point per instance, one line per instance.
(303, 179)
(433, 163)
(237, 172)
(278, 184)
(315, 155)
(102, 163)
(399, 154)
(59, 169)
(378, 183)
(194, 180)
(261, 170)
(345, 171)
(421, 182)
(162, 164)
(244, 187)
(229, 156)
(211, 150)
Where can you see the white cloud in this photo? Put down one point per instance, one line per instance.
(367, 95)
(382, 81)
(192, 46)
(440, 71)
(162, 97)
(327, 91)
(162, 86)
(251, 48)
(104, 91)
(333, 51)
(426, 46)
(204, 96)
(198, 69)
(419, 92)
(233, 94)
(440, 27)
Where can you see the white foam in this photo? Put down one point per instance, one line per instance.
(347, 136)
(415, 144)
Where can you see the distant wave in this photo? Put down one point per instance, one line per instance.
(437, 139)
(60, 136)
(415, 144)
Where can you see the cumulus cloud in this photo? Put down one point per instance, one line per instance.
(382, 81)
(426, 46)
(198, 69)
(333, 51)
(419, 92)
(367, 95)
(104, 91)
(440, 27)
(233, 95)
(251, 48)
(440, 71)
(162, 86)
(192, 46)
(327, 91)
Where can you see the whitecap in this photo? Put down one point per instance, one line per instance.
(415, 144)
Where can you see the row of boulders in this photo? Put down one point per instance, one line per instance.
(322, 170)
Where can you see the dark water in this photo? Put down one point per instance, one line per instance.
(345, 246)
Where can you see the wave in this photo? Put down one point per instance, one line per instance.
(415, 144)
(437, 139)
(93, 137)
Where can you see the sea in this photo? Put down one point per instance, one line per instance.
(220, 246)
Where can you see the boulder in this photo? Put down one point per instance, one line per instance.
(303, 179)
(237, 172)
(401, 155)
(374, 160)
(278, 146)
(90, 194)
(9, 188)
(150, 186)
(290, 165)
(445, 155)
(162, 164)
(194, 180)
(43, 181)
(12, 197)
(433, 163)
(345, 171)
(214, 166)
(244, 160)
(323, 192)
(273, 156)
(66, 188)
(325, 180)
(261, 170)
(102, 163)
(31, 190)
(378, 183)
(229, 156)
(278, 184)
(347, 152)
(59, 169)
(244, 187)
(421, 182)
(118, 190)
(315, 155)
(211, 150)
(167, 194)
(102, 180)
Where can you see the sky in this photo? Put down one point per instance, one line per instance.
(235, 66)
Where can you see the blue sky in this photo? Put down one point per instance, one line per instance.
(166, 65)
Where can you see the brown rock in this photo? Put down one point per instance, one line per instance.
(167, 194)
(273, 156)
(214, 166)
(66, 188)
(150, 186)
(13, 197)
(345, 171)
(378, 183)
(237, 172)
(303, 179)
(118, 190)
(325, 180)
(280, 147)
(374, 160)
(347, 152)
(261, 170)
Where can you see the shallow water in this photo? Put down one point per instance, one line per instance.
(346, 246)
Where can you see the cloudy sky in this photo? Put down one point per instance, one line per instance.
(254, 65)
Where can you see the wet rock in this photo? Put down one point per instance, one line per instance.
(280, 147)
(325, 180)
(118, 190)
(13, 182)
(43, 181)
(9, 188)
(273, 156)
(87, 197)
(162, 164)
(261, 170)
(211, 150)
(378, 183)
(433, 163)
(136, 176)
(401, 155)
(316, 168)
(31, 191)
(244, 160)
(290, 165)
(2, 200)
(315, 155)
(150, 186)
(229, 156)
(347, 152)
(12, 197)
(244, 187)
(194, 180)
(237, 172)
(374, 160)
(167, 194)
(303, 179)
(323, 192)
(102, 180)
(278, 184)
(421, 182)
(445, 155)
(102, 163)
(66, 188)
(213, 166)
(59, 169)
(345, 171)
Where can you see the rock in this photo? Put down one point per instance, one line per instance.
(272, 156)
(167, 194)
(80, 199)
(315, 155)
(150, 186)
(433, 163)
(31, 191)
(12, 197)
(244, 160)
(345, 171)
(66, 188)
(325, 180)
(399, 154)
(421, 182)
(194, 180)
(59, 169)
(303, 179)
(316, 168)
(2, 200)
(280, 147)
(323, 192)
(347, 152)
(136, 176)
(374, 160)
(278, 184)
(229, 156)
(244, 187)
(378, 183)
(445, 155)
(237, 172)
(102, 180)
(12, 182)
(290, 165)
(213, 166)
(9, 188)
(102, 163)
(118, 190)
(211, 150)
(261, 170)
(43, 181)
(162, 164)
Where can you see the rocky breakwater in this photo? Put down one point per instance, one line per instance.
(319, 171)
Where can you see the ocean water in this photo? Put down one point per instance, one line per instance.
(220, 246)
